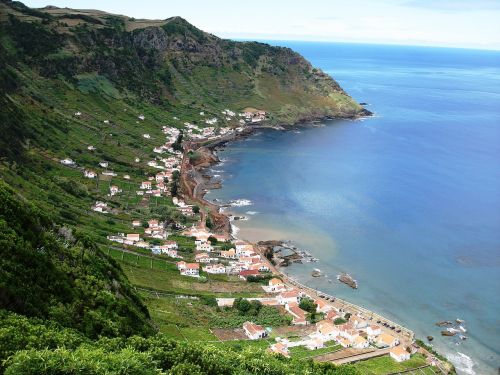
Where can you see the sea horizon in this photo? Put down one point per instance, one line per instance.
(396, 181)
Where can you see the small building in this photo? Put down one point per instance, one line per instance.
(135, 237)
(322, 306)
(279, 348)
(204, 246)
(332, 315)
(104, 164)
(136, 223)
(146, 185)
(399, 354)
(231, 254)
(153, 223)
(67, 161)
(246, 273)
(315, 343)
(386, 340)
(290, 296)
(373, 331)
(299, 315)
(254, 331)
(360, 342)
(202, 258)
(327, 330)
(276, 285)
(216, 269)
(113, 190)
(189, 269)
(89, 173)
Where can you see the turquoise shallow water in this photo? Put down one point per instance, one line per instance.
(408, 201)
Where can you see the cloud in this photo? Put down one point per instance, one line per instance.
(454, 5)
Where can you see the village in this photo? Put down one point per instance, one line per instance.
(320, 323)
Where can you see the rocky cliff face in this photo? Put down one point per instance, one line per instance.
(171, 62)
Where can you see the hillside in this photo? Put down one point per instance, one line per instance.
(92, 107)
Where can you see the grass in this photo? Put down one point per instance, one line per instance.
(163, 276)
(385, 365)
(303, 352)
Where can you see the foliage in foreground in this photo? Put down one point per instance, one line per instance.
(52, 273)
(31, 346)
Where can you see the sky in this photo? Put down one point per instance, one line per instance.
(446, 23)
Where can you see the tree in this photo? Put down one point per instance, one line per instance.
(308, 305)
(339, 321)
(196, 209)
(213, 241)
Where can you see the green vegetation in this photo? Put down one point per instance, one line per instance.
(385, 365)
(54, 273)
(72, 302)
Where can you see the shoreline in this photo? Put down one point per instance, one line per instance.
(198, 184)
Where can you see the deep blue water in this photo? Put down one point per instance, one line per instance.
(408, 201)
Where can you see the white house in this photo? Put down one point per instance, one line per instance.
(291, 296)
(315, 343)
(327, 330)
(100, 207)
(215, 268)
(113, 190)
(373, 331)
(280, 348)
(202, 258)
(67, 162)
(360, 342)
(399, 354)
(146, 185)
(276, 285)
(146, 135)
(104, 164)
(136, 223)
(204, 246)
(89, 174)
(254, 331)
(386, 340)
(189, 269)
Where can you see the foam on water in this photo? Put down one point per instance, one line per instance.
(463, 363)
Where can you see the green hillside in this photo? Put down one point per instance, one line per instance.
(94, 87)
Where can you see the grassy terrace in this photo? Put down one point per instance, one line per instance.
(386, 365)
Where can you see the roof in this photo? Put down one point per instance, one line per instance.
(280, 346)
(374, 327)
(359, 339)
(253, 328)
(275, 281)
(398, 351)
(386, 338)
(249, 273)
(193, 266)
(325, 326)
(296, 310)
(289, 294)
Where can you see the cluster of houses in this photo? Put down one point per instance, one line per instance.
(240, 259)
(255, 116)
(156, 230)
(348, 331)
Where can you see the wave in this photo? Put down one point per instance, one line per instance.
(463, 363)
(251, 212)
(241, 202)
(234, 229)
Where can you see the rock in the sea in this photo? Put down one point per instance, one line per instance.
(430, 338)
(348, 280)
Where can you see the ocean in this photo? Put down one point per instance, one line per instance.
(407, 202)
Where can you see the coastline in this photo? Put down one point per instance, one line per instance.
(195, 185)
